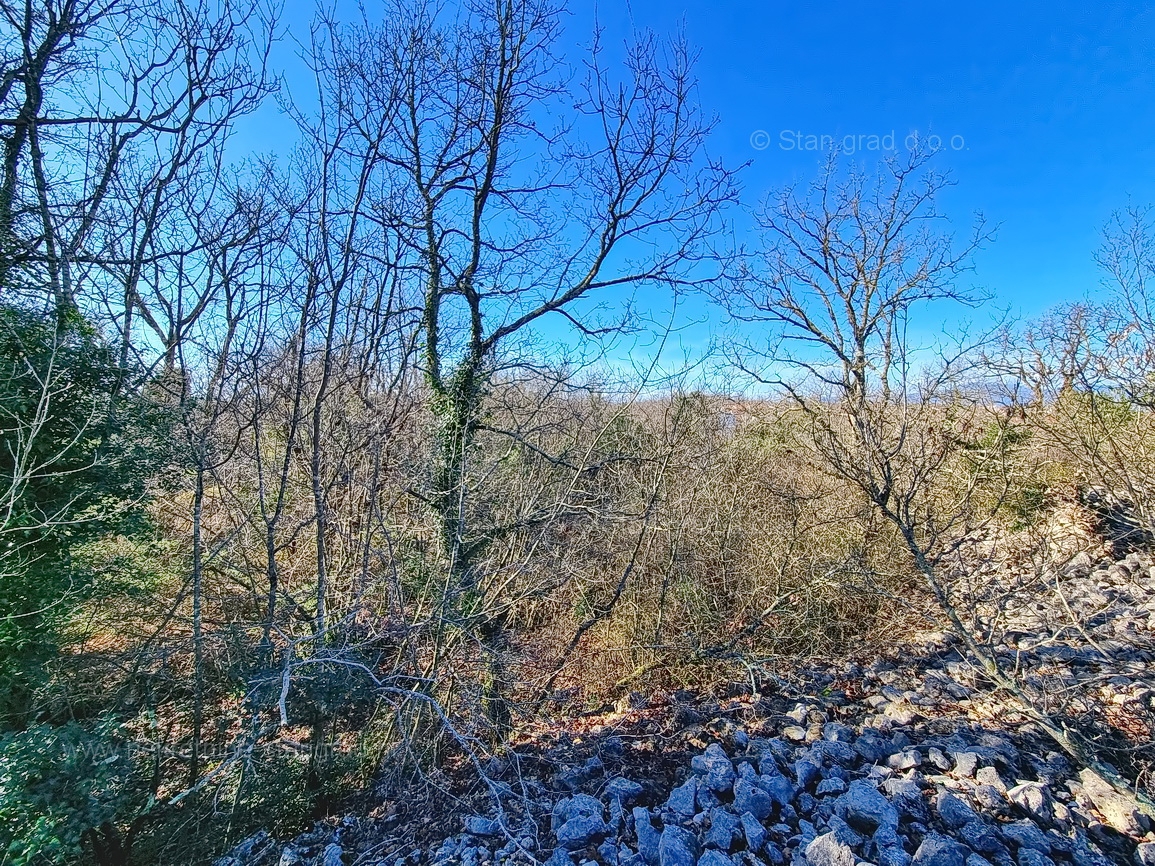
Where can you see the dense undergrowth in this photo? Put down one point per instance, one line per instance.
(300, 492)
(664, 543)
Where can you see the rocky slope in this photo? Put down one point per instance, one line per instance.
(900, 760)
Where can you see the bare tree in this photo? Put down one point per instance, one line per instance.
(845, 267)
(846, 264)
(503, 223)
(1128, 258)
(1087, 370)
(108, 110)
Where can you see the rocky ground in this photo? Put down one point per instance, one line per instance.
(906, 758)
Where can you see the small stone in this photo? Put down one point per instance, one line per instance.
(752, 799)
(1084, 854)
(906, 797)
(901, 713)
(831, 786)
(863, 808)
(571, 807)
(1034, 799)
(714, 858)
(582, 830)
(648, 838)
(806, 773)
(807, 830)
(886, 837)
(838, 732)
(892, 855)
(940, 761)
(872, 748)
(1145, 854)
(795, 733)
(953, 811)
(677, 847)
(982, 837)
(937, 850)
(621, 788)
(1031, 857)
(988, 798)
(965, 764)
(569, 778)
(723, 830)
(716, 767)
(332, 855)
(778, 787)
(1026, 835)
(755, 833)
(835, 752)
(826, 850)
(617, 816)
(990, 776)
(888, 848)
(768, 764)
(478, 826)
(683, 799)
(775, 751)
(844, 832)
(907, 759)
(707, 799)
(1121, 812)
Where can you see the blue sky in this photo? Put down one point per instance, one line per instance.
(1045, 110)
(1051, 107)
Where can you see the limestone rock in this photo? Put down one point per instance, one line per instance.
(826, 850)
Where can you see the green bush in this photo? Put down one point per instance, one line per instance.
(59, 786)
(78, 446)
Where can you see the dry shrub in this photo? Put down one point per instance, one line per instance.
(750, 552)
